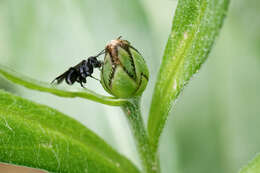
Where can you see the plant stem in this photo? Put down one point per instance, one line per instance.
(150, 162)
(46, 87)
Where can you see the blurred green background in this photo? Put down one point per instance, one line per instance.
(214, 127)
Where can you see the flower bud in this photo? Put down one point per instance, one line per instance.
(124, 72)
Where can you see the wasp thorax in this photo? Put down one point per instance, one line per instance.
(124, 72)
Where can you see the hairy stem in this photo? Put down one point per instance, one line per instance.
(150, 162)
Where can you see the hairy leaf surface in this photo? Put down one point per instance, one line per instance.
(195, 26)
(253, 166)
(38, 136)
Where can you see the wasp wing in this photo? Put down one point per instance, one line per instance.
(60, 78)
(70, 75)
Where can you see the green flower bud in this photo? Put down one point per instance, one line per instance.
(124, 72)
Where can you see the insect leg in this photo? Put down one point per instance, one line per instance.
(81, 84)
(94, 78)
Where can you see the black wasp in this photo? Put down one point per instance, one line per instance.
(81, 71)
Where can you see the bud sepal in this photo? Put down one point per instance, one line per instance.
(124, 72)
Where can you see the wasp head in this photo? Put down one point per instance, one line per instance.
(94, 62)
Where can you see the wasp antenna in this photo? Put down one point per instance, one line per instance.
(102, 52)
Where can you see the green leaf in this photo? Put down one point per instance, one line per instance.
(195, 26)
(253, 166)
(37, 136)
(46, 87)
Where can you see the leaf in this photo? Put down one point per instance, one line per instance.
(38, 136)
(195, 26)
(253, 166)
(46, 87)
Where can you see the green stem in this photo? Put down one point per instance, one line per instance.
(46, 87)
(150, 162)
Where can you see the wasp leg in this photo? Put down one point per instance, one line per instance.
(81, 84)
(94, 78)
(81, 80)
